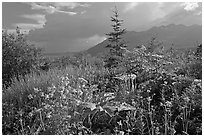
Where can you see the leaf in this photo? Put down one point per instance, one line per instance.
(125, 106)
(92, 106)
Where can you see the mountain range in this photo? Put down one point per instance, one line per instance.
(178, 36)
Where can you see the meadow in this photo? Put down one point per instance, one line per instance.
(145, 95)
(143, 91)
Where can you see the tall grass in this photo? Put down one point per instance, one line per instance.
(77, 100)
(18, 98)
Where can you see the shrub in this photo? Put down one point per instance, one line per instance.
(18, 56)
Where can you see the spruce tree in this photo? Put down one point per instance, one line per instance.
(116, 42)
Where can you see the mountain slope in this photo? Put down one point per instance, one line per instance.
(179, 35)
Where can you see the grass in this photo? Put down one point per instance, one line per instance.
(22, 95)
(86, 100)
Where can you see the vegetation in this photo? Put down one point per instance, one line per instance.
(18, 56)
(150, 92)
(117, 44)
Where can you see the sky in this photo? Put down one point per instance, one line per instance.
(77, 26)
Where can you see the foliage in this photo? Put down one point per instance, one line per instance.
(150, 92)
(79, 60)
(85, 100)
(116, 44)
(18, 56)
(154, 45)
(34, 97)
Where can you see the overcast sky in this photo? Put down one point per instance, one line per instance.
(68, 27)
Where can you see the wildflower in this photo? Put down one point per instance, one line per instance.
(197, 80)
(80, 92)
(133, 103)
(74, 91)
(62, 89)
(120, 123)
(49, 115)
(46, 96)
(148, 91)
(63, 96)
(46, 106)
(199, 85)
(121, 133)
(156, 55)
(42, 94)
(149, 99)
(186, 99)
(20, 113)
(53, 87)
(30, 96)
(49, 89)
(36, 90)
(157, 131)
(108, 94)
(83, 86)
(51, 94)
(168, 104)
(83, 80)
(69, 116)
(62, 78)
(66, 81)
(30, 114)
(170, 63)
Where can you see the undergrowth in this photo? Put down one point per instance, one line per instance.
(144, 96)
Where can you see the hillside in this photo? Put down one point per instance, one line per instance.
(179, 35)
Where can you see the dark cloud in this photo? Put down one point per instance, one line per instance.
(74, 32)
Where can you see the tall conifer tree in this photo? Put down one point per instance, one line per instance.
(116, 42)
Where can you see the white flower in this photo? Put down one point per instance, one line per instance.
(186, 99)
(173, 83)
(197, 80)
(30, 96)
(120, 123)
(42, 94)
(74, 91)
(121, 133)
(36, 90)
(51, 94)
(149, 99)
(199, 84)
(53, 86)
(63, 96)
(83, 80)
(156, 55)
(49, 89)
(69, 116)
(46, 96)
(62, 89)
(49, 115)
(80, 92)
(30, 114)
(47, 106)
(168, 104)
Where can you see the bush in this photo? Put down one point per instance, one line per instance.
(89, 100)
(18, 56)
(149, 93)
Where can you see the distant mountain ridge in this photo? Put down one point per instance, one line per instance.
(180, 36)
